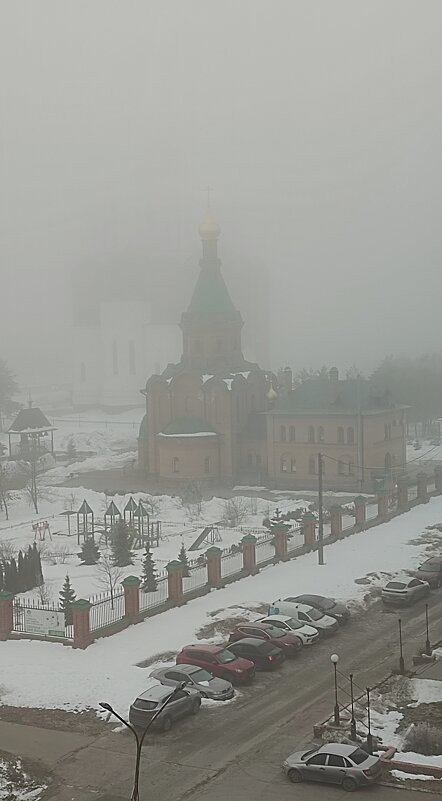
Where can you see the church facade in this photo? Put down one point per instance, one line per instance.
(216, 418)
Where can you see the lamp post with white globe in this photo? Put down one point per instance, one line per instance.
(335, 659)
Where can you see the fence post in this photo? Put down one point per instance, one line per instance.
(360, 512)
(336, 521)
(438, 478)
(422, 494)
(175, 582)
(80, 619)
(402, 494)
(249, 554)
(280, 542)
(214, 566)
(6, 614)
(382, 503)
(131, 586)
(309, 529)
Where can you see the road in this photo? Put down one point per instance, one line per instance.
(239, 748)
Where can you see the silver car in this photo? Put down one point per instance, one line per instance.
(334, 763)
(185, 702)
(405, 590)
(207, 685)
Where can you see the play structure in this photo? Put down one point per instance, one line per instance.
(209, 536)
(143, 531)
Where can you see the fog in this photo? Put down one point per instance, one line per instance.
(316, 124)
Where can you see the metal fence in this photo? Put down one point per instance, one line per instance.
(231, 563)
(295, 540)
(148, 600)
(371, 511)
(265, 550)
(107, 611)
(197, 578)
(40, 619)
(412, 493)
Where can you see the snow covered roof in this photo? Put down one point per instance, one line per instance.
(188, 427)
(31, 421)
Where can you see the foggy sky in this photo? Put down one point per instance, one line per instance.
(317, 124)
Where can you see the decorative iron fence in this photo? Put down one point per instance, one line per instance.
(148, 600)
(231, 563)
(295, 541)
(371, 511)
(44, 620)
(104, 613)
(412, 493)
(197, 578)
(265, 550)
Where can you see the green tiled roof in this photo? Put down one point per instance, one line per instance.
(188, 425)
(211, 295)
(314, 396)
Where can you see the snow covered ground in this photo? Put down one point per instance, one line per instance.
(16, 784)
(65, 678)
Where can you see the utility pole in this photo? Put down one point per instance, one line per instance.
(320, 513)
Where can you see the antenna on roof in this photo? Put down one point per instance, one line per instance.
(29, 400)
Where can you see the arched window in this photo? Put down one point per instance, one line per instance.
(188, 403)
(351, 469)
(250, 460)
(258, 460)
(340, 434)
(293, 465)
(175, 465)
(350, 435)
(341, 468)
(131, 357)
(311, 434)
(321, 434)
(385, 431)
(312, 465)
(283, 464)
(292, 434)
(282, 434)
(114, 358)
(252, 403)
(387, 461)
(207, 464)
(82, 372)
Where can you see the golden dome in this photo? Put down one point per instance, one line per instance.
(209, 228)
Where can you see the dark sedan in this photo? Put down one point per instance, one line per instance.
(289, 643)
(431, 571)
(326, 605)
(264, 655)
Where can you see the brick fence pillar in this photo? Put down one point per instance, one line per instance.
(382, 503)
(309, 529)
(336, 521)
(438, 478)
(280, 543)
(175, 582)
(6, 614)
(214, 566)
(422, 483)
(249, 554)
(80, 619)
(131, 586)
(402, 494)
(360, 512)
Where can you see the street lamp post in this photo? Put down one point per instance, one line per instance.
(335, 659)
(352, 721)
(401, 653)
(369, 735)
(140, 737)
(427, 641)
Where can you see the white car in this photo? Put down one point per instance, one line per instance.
(305, 614)
(307, 634)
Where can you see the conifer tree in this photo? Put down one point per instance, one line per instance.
(182, 557)
(67, 597)
(121, 553)
(21, 573)
(71, 451)
(11, 576)
(149, 576)
(36, 566)
(1, 577)
(89, 553)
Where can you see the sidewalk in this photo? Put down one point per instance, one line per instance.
(45, 745)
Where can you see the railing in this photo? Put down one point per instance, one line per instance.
(412, 493)
(197, 578)
(231, 563)
(295, 540)
(104, 613)
(27, 620)
(149, 600)
(371, 511)
(265, 550)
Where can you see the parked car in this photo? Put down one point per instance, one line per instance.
(264, 655)
(328, 606)
(307, 634)
(335, 763)
(208, 686)
(404, 590)
(431, 571)
(185, 702)
(305, 614)
(287, 641)
(218, 660)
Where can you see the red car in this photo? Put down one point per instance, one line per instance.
(289, 644)
(218, 660)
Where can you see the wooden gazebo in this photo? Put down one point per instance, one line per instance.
(33, 434)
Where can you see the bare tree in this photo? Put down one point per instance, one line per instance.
(235, 510)
(44, 594)
(5, 494)
(108, 575)
(7, 550)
